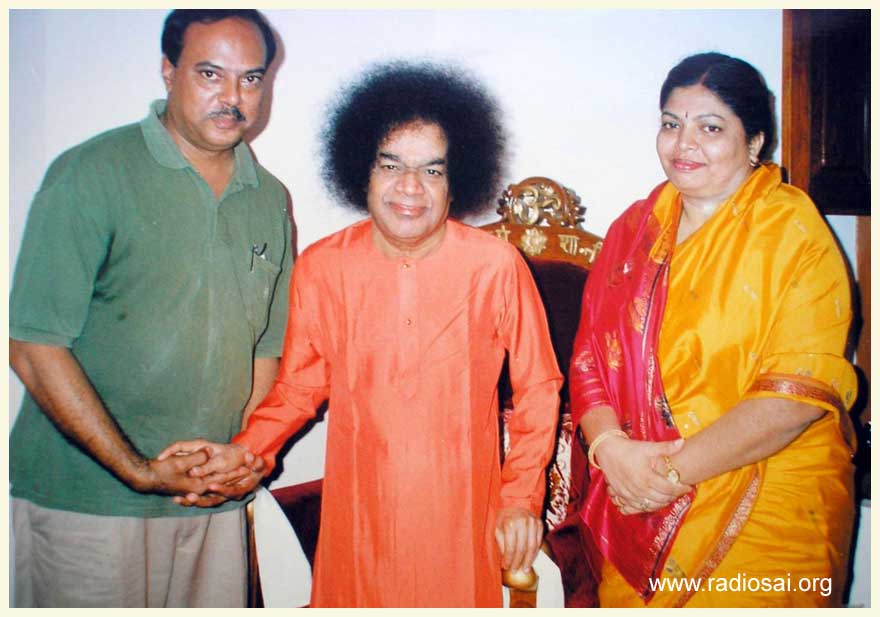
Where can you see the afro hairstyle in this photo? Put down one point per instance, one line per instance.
(391, 95)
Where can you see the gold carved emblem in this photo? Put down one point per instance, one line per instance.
(503, 233)
(527, 209)
(537, 211)
(533, 241)
(541, 200)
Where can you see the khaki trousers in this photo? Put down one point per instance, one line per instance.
(68, 559)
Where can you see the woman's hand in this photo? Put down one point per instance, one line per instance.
(635, 472)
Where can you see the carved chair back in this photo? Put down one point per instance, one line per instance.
(543, 219)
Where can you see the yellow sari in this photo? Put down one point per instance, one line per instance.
(758, 305)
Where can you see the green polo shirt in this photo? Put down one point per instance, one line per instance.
(130, 261)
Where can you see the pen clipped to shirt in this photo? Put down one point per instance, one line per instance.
(257, 251)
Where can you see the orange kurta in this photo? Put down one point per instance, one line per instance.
(758, 305)
(409, 353)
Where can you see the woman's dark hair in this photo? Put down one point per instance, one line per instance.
(395, 94)
(738, 84)
(180, 19)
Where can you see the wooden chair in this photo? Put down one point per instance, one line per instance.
(543, 219)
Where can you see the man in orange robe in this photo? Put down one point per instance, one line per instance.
(403, 321)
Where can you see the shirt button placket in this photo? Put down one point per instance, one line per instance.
(408, 338)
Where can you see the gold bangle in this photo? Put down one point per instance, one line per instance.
(614, 432)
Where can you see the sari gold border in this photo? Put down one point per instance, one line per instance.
(730, 533)
(811, 389)
(664, 534)
(798, 385)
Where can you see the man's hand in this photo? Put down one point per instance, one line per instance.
(57, 382)
(519, 534)
(171, 476)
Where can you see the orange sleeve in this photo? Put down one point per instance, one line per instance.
(303, 381)
(536, 380)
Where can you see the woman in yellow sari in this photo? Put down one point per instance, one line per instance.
(708, 372)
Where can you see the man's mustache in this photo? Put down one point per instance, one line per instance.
(233, 112)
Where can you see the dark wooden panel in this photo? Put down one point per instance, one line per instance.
(796, 97)
(840, 75)
(826, 120)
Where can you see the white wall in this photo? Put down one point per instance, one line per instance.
(578, 89)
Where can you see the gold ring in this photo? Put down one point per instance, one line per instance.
(645, 506)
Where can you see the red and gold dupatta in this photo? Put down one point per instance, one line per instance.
(614, 363)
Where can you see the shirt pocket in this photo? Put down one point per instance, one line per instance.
(261, 283)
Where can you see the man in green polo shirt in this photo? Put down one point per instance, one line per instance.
(148, 305)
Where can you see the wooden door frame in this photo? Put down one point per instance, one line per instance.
(796, 160)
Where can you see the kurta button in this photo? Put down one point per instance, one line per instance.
(409, 322)
(405, 266)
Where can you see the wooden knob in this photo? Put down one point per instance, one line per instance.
(523, 580)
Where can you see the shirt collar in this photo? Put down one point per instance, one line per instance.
(166, 153)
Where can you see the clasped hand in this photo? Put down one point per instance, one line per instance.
(635, 473)
(224, 471)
